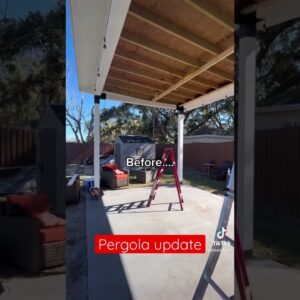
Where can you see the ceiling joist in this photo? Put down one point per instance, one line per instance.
(211, 11)
(184, 93)
(192, 75)
(154, 65)
(169, 27)
(170, 53)
(140, 95)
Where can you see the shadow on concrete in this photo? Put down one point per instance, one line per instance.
(106, 275)
(126, 207)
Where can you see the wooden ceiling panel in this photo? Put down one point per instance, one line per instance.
(185, 16)
(162, 42)
(149, 32)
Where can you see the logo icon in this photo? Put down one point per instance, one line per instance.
(221, 233)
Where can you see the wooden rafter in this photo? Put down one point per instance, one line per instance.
(169, 27)
(139, 95)
(141, 73)
(209, 9)
(170, 53)
(142, 88)
(143, 85)
(154, 65)
(190, 76)
(150, 76)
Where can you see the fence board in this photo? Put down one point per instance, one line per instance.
(195, 154)
(17, 147)
(277, 171)
(77, 152)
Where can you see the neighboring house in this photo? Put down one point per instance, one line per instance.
(282, 112)
(208, 135)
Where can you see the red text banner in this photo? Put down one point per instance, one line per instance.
(166, 244)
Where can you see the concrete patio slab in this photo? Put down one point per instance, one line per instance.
(272, 280)
(155, 276)
(46, 288)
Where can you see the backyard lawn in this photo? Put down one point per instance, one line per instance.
(190, 177)
(275, 239)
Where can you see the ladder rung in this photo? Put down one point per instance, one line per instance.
(217, 289)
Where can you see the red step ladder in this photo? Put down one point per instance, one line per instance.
(168, 153)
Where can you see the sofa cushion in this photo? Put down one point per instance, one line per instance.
(53, 234)
(121, 176)
(31, 204)
(118, 172)
(47, 219)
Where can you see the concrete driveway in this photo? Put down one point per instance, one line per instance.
(155, 276)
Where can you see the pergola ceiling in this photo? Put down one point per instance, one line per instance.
(173, 51)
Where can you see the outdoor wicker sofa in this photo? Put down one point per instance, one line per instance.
(29, 242)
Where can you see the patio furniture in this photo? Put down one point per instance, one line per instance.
(207, 167)
(114, 178)
(31, 238)
(221, 173)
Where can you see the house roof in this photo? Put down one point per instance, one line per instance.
(168, 52)
(135, 139)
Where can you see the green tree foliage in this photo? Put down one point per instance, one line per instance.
(278, 56)
(161, 124)
(32, 64)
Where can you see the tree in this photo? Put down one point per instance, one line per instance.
(278, 61)
(32, 64)
(81, 124)
(161, 124)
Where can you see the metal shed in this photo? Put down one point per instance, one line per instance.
(135, 146)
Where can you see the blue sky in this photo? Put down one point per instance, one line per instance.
(72, 91)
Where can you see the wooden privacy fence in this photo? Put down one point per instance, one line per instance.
(17, 147)
(195, 154)
(277, 171)
(77, 152)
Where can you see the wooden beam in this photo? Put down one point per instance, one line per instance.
(137, 101)
(165, 51)
(210, 10)
(141, 73)
(169, 27)
(222, 93)
(158, 48)
(154, 65)
(154, 20)
(139, 95)
(202, 69)
(142, 88)
(221, 74)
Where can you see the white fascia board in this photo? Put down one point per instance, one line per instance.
(89, 22)
(136, 101)
(214, 96)
(117, 16)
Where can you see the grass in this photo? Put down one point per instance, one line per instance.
(277, 239)
(190, 177)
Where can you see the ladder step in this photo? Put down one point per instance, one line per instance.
(217, 289)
